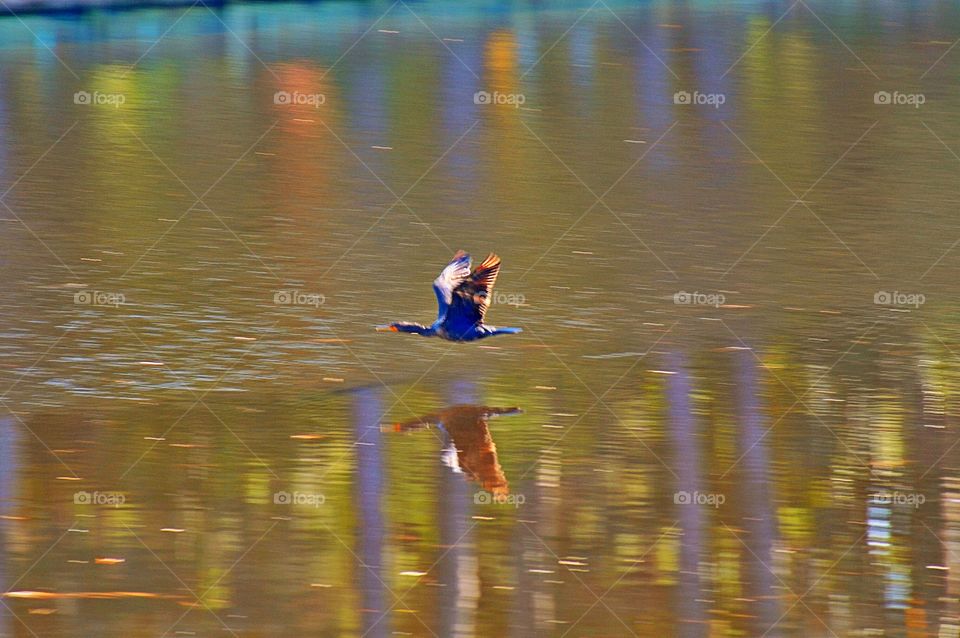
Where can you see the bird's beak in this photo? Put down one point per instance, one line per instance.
(387, 329)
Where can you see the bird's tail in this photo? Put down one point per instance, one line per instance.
(488, 411)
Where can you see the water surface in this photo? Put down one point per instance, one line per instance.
(735, 386)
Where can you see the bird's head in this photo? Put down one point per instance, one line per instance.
(388, 328)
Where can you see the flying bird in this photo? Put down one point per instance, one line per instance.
(463, 297)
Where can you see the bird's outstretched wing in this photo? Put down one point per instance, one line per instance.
(450, 277)
(472, 296)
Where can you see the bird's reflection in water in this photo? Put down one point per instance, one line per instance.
(469, 448)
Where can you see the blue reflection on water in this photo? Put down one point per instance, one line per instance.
(367, 411)
(9, 470)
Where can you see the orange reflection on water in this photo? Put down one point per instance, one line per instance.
(98, 595)
(303, 102)
(476, 453)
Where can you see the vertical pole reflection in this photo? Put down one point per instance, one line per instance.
(368, 113)
(367, 408)
(4, 142)
(8, 477)
(459, 114)
(458, 569)
(686, 465)
(930, 522)
(758, 521)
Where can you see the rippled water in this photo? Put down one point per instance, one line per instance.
(732, 410)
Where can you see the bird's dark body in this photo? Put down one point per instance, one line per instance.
(463, 297)
(457, 333)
